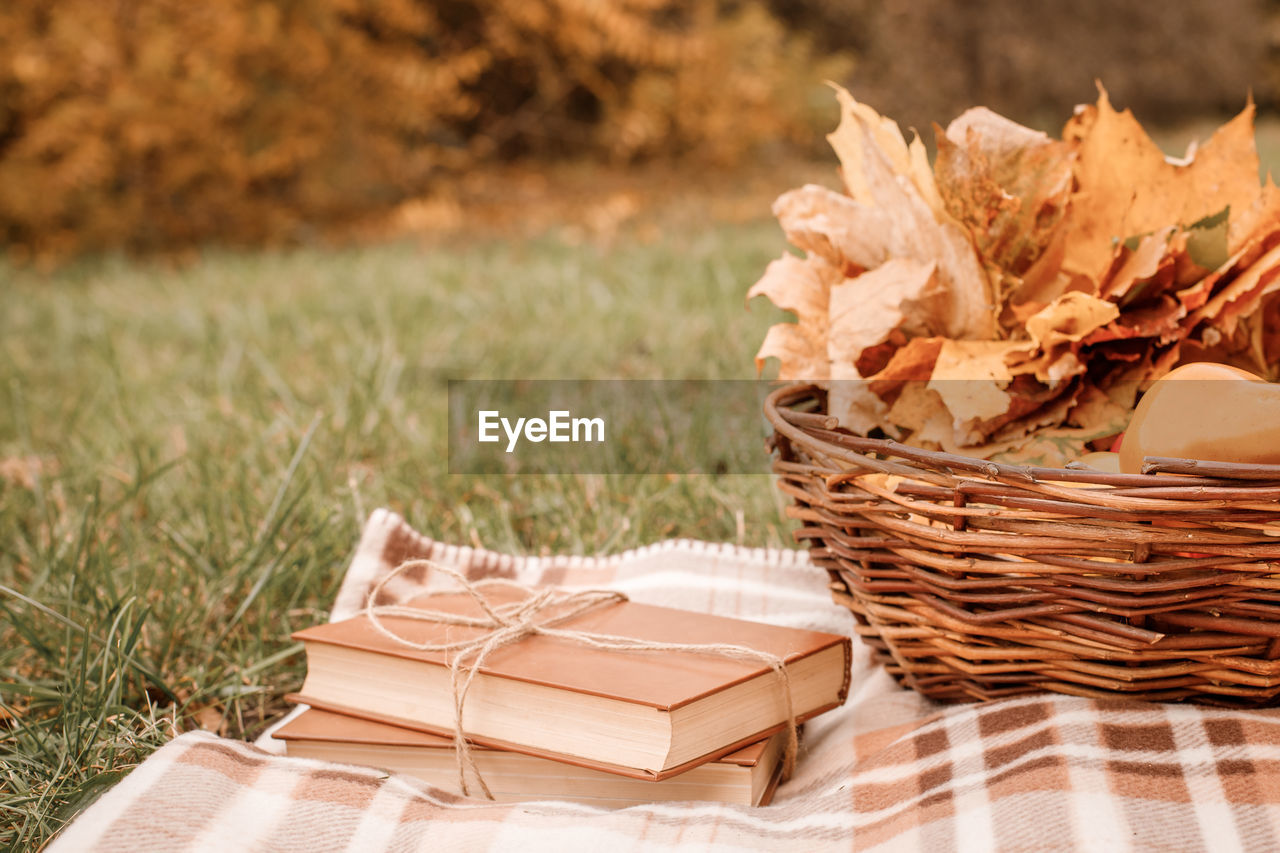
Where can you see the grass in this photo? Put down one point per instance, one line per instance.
(187, 455)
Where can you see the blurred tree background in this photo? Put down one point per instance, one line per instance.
(160, 124)
(924, 61)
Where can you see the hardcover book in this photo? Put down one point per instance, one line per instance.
(747, 776)
(647, 714)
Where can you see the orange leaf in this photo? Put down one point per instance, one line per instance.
(1127, 187)
(1243, 295)
(1260, 219)
(1155, 252)
(1069, 318)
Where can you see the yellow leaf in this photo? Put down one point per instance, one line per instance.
(862, 129)
(838, 229)
(880, 171)
(802, 287)
(1069, 318)
(853, 401)
(970, 377)
(801, 359)
(865, 310)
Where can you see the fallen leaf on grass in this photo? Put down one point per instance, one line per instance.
(26, 471)
(211, 719)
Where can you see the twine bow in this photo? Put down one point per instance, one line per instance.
(536, 613)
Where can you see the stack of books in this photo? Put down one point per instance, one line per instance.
(552, 718)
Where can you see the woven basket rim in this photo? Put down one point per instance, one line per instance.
(820, 432)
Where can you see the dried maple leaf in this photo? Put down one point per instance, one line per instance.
(1242, 295)
(1133, 269)
(865, 310)
(1035, 405)
(1126, 185)
(861, 130)
(914, 362)
(1159, 320)
(863, 404)
(1102, 412)
(970, 378)
(848, 235)
(1069, 318)
(881, 171)
(802, 287)
(851, 399)
(920, 416)
(1259, 220)
(1266, 323)
(1050, 448)
(1042, 282)
(1008, 184)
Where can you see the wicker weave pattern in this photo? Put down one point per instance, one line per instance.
(975, 580)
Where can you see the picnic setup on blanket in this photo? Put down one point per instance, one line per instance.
(1028, 438)
(887, 769)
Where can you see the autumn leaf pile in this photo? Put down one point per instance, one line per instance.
(1011, 299)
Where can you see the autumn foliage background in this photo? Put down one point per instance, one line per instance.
(155, 124)
(162, 123)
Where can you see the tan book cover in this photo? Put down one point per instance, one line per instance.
(647, 714)
(747, 776)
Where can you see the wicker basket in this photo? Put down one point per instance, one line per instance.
(976, 580)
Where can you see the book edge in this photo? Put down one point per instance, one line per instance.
(309, 635)
(747, 756)
(775, 779)
(616, 769)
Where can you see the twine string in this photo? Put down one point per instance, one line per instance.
(536, 612)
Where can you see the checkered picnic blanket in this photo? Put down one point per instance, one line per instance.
(888, 770)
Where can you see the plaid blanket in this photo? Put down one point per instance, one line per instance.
(886, 771)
